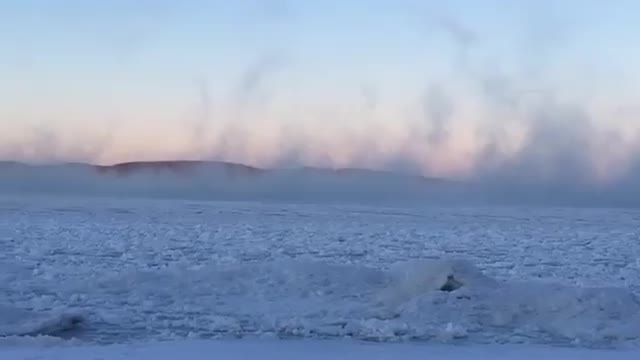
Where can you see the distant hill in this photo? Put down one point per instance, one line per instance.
(184, 167)
(217, 180)
(178, 167)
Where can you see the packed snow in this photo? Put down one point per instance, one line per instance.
(306, 349)
(81, 273)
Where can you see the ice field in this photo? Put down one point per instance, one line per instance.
(132, 276)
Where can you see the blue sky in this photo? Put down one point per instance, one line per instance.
(431, 84)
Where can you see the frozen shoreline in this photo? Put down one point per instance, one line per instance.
(307, 349)
(414, 300)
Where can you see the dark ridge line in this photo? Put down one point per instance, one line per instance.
(188, 166)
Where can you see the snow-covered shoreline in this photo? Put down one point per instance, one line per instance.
(305, 349)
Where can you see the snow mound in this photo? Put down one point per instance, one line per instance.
(415, 277)
(19, 322)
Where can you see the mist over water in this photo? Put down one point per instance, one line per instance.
(536, 123)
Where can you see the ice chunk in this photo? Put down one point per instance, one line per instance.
(19, 322)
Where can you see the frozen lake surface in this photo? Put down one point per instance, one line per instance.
(99, 271)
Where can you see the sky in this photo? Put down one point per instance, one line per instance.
(543, 90)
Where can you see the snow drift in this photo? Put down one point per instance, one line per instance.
(426, 301)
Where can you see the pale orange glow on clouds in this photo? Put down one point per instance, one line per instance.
(377, 141)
